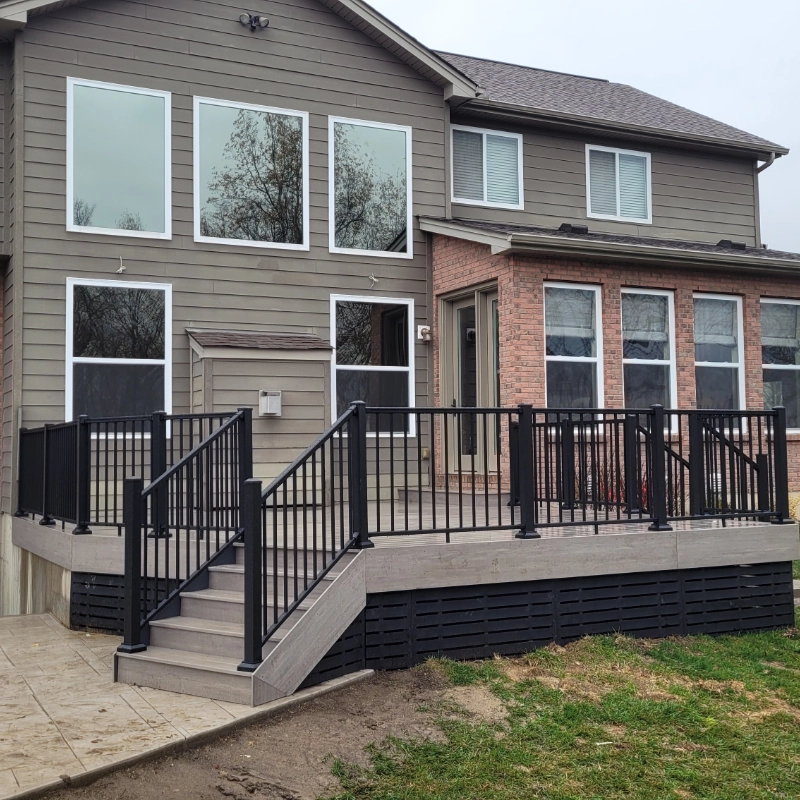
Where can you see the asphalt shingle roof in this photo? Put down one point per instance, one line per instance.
(596, 99)
(260, 340)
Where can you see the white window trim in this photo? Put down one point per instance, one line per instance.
(72, 360)
(786, 367)
(671, 361)
(409, 254)
(412, 399)
(520, 206)
(167, 96)
(303, 115)
(648, 220)
(598, 359)
(740, 345)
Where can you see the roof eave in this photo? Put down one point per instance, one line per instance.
(600, 127)
(563, 247)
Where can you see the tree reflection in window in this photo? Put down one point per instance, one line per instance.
(255, 190)
(370, 188)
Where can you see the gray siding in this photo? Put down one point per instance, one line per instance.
(696, 197)
(309, 60)
(305, 387)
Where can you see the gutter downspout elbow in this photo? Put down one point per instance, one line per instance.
(767, 164)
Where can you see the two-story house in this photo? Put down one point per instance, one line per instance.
(297, 205)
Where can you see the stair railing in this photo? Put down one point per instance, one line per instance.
(181, 524)
(301, 526)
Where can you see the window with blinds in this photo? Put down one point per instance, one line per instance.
(618, 184)
(487, 168)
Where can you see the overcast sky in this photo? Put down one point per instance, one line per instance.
(735, 60)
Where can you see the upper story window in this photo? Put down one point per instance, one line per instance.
(780, 356)
(250, 175)
(487, 168)
(118, 348)
(718, 351)
(574, 346)
(618, 184)
(374, 357)
(648, 348)
(370, 188)
(119, 172)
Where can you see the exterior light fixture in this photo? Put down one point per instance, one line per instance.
(255, 22)
(424, 333)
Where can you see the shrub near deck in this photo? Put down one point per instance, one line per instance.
(611, 718)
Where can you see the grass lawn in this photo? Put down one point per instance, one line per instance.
(607, 718)
(796, 570)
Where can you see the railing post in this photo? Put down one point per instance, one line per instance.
(697, 477)
(567, 464)
(20, 440)
(781, 468)
(357, 486)
(132, 514)
(46, 518)
(159, 507)
(253, 601)
(658, 490)
(526, 481)
(513, 455)
(762, 482)
(246, 445)
(633, 480)
(84, 476)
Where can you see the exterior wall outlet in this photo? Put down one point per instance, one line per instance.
(269, 404)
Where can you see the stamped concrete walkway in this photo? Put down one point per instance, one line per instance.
(61, 714)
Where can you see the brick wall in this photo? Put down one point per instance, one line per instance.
(459, 265)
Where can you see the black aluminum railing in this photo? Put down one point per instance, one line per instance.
(529, 469)
(182, 523)
(301, 527)
(401, 471)
(74, 472)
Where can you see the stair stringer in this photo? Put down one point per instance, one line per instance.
(305, 645)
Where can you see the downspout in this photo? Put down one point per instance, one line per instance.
(767, 164)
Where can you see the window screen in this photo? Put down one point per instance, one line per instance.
(486, 167)
(618, 185)
(780, 355)
(717, 352)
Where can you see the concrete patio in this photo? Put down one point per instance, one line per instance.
(61, 714)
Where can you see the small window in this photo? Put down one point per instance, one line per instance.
(618, 184)
(118, 348)
(573, 335)
(250, 175)
(373, 356)
(780, 356)
(487, 168)
(718, 353)
(648, 350)
(370, 188)
(118, 160)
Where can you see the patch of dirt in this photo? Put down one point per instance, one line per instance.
(478, 702)
(288, 756)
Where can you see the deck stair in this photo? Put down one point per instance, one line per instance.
(199, 651)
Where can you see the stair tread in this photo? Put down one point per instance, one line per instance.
(237, 598)
(186, 658)
(238, 569)
(201, 625)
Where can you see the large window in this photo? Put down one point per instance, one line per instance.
(573, 334)
(118, 160)
(780, 355)
(718, 352)
(118, 348)
(250, 175)
(618, 184)
(373, 355)
(370, 188)
(648, 348)
(487, 168)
